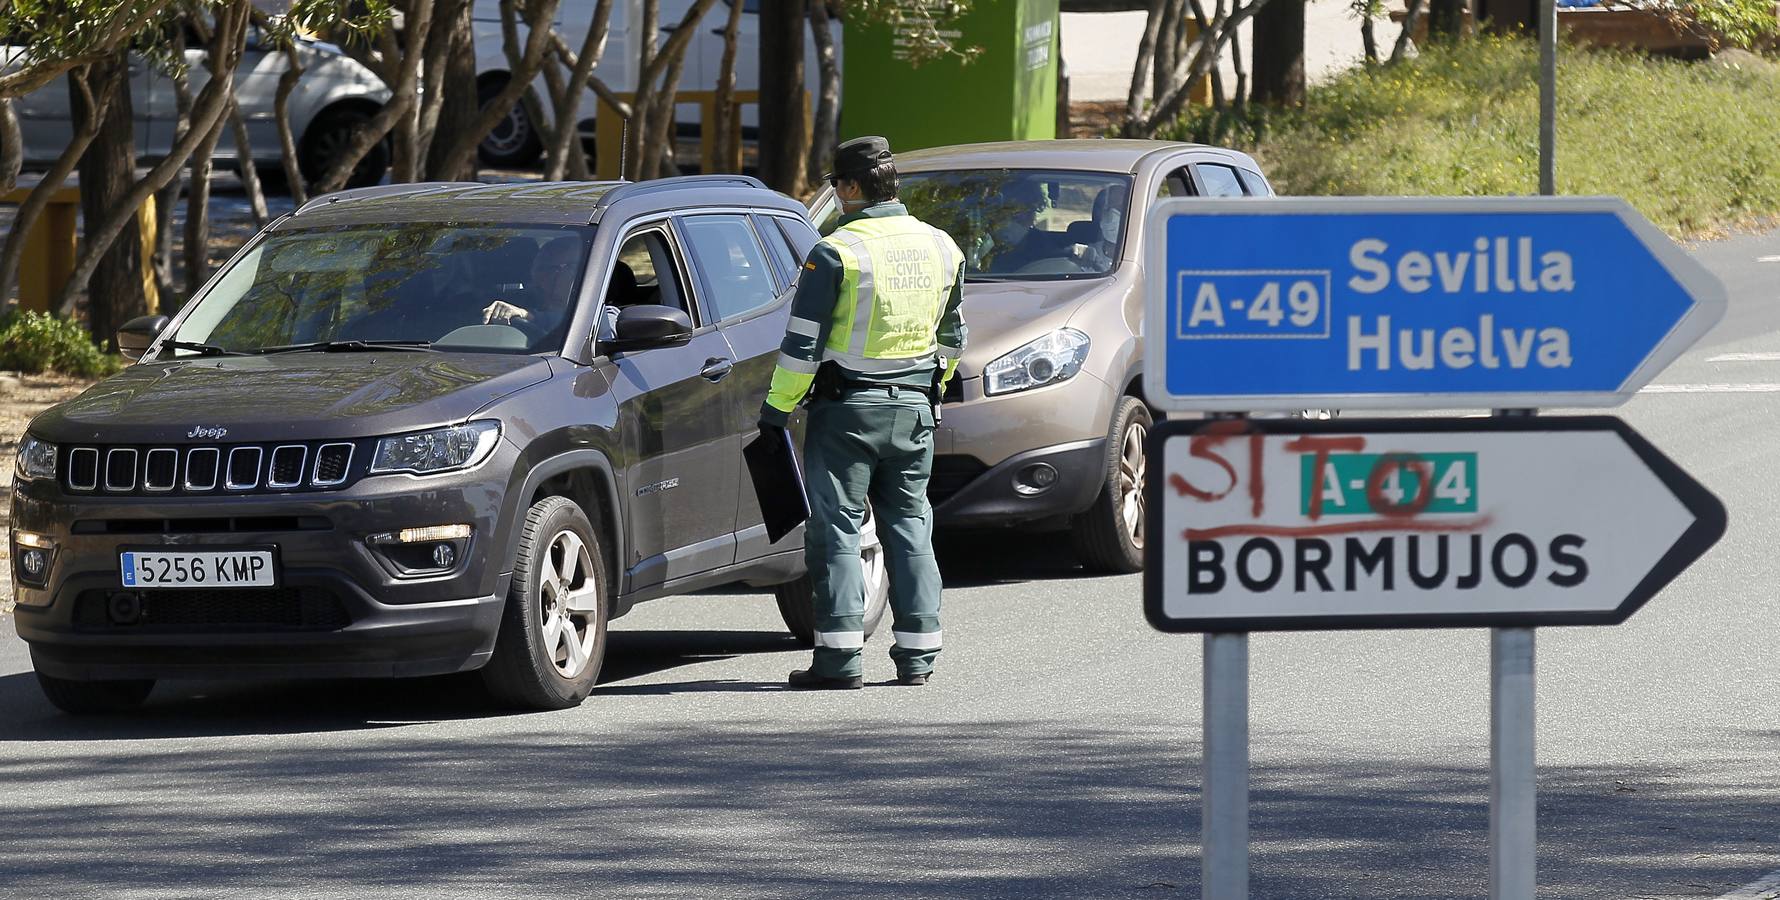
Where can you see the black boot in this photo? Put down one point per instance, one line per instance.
(912, 679)
(806, 680)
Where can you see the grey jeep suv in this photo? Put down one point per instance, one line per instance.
(420, 429)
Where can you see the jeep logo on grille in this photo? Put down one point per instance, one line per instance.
(208, 433)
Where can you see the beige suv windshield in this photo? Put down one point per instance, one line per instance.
(1025, 223)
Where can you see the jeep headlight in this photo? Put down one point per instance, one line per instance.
(439, 450)
(37, 459)
(1051, 359)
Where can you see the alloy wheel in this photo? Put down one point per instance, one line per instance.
(569, 602)
(1131, 479)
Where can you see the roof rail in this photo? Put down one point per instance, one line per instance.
(382, 190)
(629, 189)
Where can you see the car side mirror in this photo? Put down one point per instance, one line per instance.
(135, 335)
(646, 326)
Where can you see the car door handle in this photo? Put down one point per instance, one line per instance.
(716, 369)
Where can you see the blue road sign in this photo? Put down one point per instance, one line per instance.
(1383, 302)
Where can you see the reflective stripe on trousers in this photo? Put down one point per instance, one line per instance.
(841, 640)
(917, 640)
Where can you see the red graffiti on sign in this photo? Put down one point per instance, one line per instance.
(1400, 515)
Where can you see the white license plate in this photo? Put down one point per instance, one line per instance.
(198, 569)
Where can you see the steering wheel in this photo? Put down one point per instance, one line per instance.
(1051, 266)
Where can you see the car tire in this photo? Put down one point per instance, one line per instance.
(328, 135)
(553, 629)
(797, 599)
(1109, 535)
(94, 697)
(514, 143)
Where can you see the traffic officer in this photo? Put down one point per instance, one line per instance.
(876, 331)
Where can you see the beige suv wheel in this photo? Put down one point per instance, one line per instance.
(1109, 535)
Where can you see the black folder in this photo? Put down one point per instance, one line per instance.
(778, 482)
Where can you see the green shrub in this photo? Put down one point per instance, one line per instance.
(33, 342)
(1691, 145)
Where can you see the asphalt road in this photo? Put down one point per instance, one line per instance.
(1055, 753)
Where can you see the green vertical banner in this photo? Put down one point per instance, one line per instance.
(1007, 92)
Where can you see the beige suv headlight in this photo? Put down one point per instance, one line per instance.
(1052, 359)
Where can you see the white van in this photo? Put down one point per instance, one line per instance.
(516, 143)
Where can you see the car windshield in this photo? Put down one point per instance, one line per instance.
(1025, 224)
(488, 288)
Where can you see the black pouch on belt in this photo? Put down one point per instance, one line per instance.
(829, 382)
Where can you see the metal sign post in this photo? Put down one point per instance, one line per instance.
(1548, 52)
(1513, 803)
(1223, 807)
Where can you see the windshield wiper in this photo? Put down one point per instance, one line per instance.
(349, 347)
(201, 349)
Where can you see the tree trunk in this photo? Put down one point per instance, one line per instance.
(1218, 100)
(1143, 73)
(1406, 36)
(463, 144)
(401, 101)
(1509, 16)
(1279, 54)
(287, 142)
(664, 121)
(565, 156)
(197, 211)
(784, 117)
(12, 149)
(636, 135)
(110, 307)
(106, 172)
(1446, 19)
(450, 18)
(88, 113)
(1167, 46)
(1240, 99)
(826, 132)
(1369, 37)
(244, 168)
(458, 103)
(727, 150)
(167, 198)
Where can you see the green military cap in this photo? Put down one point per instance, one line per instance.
(858, 156)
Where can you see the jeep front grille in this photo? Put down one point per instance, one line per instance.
(235, 469)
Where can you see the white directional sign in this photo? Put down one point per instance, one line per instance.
(1287, 524)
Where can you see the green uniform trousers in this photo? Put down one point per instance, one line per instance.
(877, 444)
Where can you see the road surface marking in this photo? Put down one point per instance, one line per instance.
(1745, 357)
(1766, 889)
(1767, 259)
(1748, 388)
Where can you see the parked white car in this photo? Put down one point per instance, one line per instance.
(335, 94)
(515, 142)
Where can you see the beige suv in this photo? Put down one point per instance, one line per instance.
(1045, 426)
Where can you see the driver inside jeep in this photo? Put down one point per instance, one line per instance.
(543, 301)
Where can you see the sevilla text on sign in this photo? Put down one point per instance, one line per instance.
(1375, 302)
(1275, 524)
